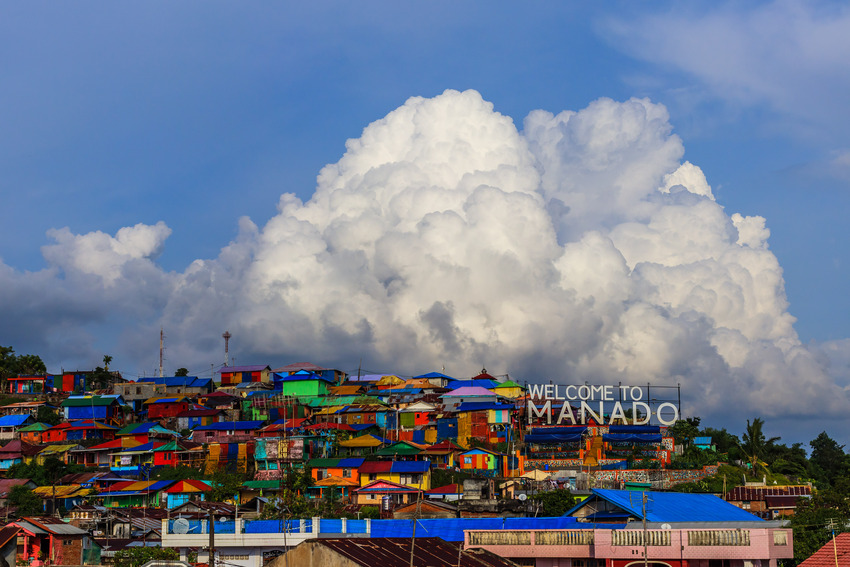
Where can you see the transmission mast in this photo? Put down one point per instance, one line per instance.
(226, 336)
(161, 349)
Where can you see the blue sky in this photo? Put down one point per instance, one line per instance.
(200, 113)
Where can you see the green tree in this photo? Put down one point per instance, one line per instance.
(812, 519)
(225, 485)
(684, 431)
(180, 472)
(31, 364)
(182, 372)
(755, 445)
(28, 503)
(828, 459)
(138, 556)
(553, 503)
(48, 416)
(106, 360)
(100, 379)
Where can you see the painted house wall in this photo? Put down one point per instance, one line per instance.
(304, 388)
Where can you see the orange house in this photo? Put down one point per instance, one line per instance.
(340, 468)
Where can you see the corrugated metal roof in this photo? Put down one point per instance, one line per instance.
(670, 506)
(751, 493)
(14, 420)
(396, 552)
(231, 426)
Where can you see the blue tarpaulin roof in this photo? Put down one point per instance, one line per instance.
(544, 438)
(634, 429)
(352, 462)
(14, 420)
(671, 506)
(632, 437)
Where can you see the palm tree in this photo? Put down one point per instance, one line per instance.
(755, 444)
(106, 360)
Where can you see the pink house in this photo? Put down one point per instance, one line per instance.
(674, 547)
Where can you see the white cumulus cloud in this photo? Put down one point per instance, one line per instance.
(579, 248)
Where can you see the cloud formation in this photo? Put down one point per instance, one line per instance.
(580, 248)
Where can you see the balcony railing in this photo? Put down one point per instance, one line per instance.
(653, 538)
(719, 537)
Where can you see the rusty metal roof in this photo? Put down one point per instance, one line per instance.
(395, 552)
(751, 493)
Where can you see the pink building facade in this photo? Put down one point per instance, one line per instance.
(674, 547)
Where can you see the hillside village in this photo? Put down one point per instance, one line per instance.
(261, 461)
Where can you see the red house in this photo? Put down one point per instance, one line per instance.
(233, 375)
(165, 407)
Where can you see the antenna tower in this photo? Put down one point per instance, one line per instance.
(226, 336)
(161, 349)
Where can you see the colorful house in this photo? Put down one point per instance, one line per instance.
(135, 461)
(233, 375)
(409, 473)
(482, 461)
(508, 389)
(166, 407)
(33, 433)
(128, 494)
(17, 452)
(303, 384)
(184, 491)
(374, 492)
(341, 468)
(61, 452)
(29, 384)
(11, 424)
(186, 385)
(53, 541)
(178, 452)
(100, 455)
(198, 415)
(226, 432)
(104, 408)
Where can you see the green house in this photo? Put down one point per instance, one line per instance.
(303, 383)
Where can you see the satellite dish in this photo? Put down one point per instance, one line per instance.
(222, 519)
(522, 497)
(666, 527)
(180, 526)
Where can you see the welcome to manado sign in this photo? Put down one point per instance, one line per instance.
(591, 402)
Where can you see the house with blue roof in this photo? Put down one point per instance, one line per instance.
(303, 383)
(10, 424)
(186, 385)
(621, 506)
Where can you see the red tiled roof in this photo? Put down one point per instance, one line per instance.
(826, 555)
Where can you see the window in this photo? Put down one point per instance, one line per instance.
(780, 538)
(346, 473)
(67, 541)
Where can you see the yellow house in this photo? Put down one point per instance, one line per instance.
(415, 474)
(508, 389)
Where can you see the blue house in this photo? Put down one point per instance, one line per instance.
(621, 506)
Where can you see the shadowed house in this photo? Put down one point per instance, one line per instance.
(53, 541)
(373, 493)
(166, 407)
(10, 426)
(104, 408)
(17, 452)
(28, 384)
(33, 433)
(235, 375)
(184, 491)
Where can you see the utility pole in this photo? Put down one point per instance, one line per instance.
(212, 537)
(645, 560)
(834, 545)
(161, 348)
